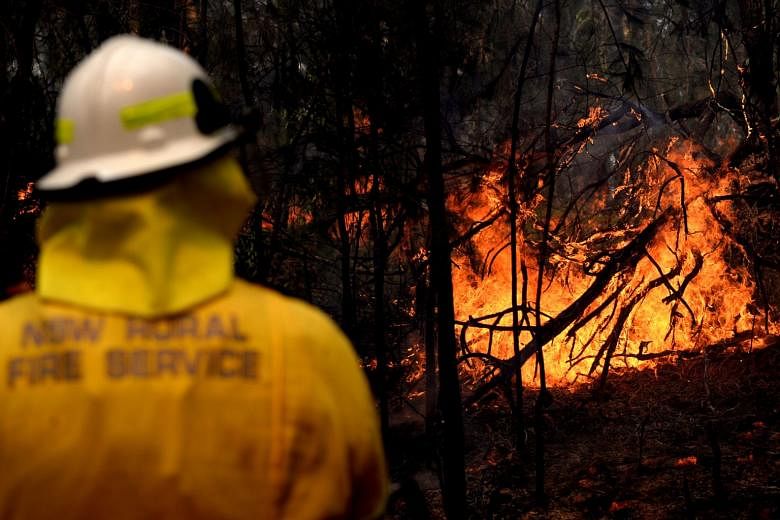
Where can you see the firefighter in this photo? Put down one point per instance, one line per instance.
(141, 379)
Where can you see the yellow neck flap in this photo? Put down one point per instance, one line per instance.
(150, 254)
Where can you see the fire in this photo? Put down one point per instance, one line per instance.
(685, 292)
(299, 216)
(596, 77)
(595, 114)
(682, 462)
(26, 192)
(28, 204)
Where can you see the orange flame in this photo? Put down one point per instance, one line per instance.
(686, 461)
(25, 193)
(595, 114)
(685, 293)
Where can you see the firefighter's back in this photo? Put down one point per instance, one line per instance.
(250, 405)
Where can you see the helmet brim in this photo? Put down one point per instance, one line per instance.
(118, 167)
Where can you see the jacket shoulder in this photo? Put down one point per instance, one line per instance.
(19, 307)
(305, 330)
(294, 314)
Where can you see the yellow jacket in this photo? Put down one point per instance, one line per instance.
(246, 404)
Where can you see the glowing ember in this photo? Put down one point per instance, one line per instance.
(299, 216)
(26, 192)
(686, 461)
(595, 114)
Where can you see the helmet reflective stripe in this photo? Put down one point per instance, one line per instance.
(131, 108)
(158, 110)
(64, 131)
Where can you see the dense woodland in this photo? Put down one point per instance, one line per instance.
(517, 210)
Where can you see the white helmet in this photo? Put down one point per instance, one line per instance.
(131, 108)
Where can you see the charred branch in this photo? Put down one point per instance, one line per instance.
(608, 348)
(678, 294)
(734, 342)
(597, 311)
(722, 101)
(477, 227)
(672, 290)
(621, 261)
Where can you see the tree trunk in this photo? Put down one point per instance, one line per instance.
(380, 263)
(379, 222)
(345, 125)
(431, 373)
(453, 464)
(512, 196)
(241, 61)
(543, 399)
(758, 76)
(202, 46)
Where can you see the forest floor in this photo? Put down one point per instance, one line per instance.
(692, 439)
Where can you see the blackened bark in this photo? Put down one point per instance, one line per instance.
(543, 398)
(241, 61)
(759, 35)
(376, 111)
(202, 47)
(431, 374)
(453, 465)
(512, 196)
(380, 263)
(345, 125)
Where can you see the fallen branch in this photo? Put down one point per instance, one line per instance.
(622, 260)
(610, 345)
